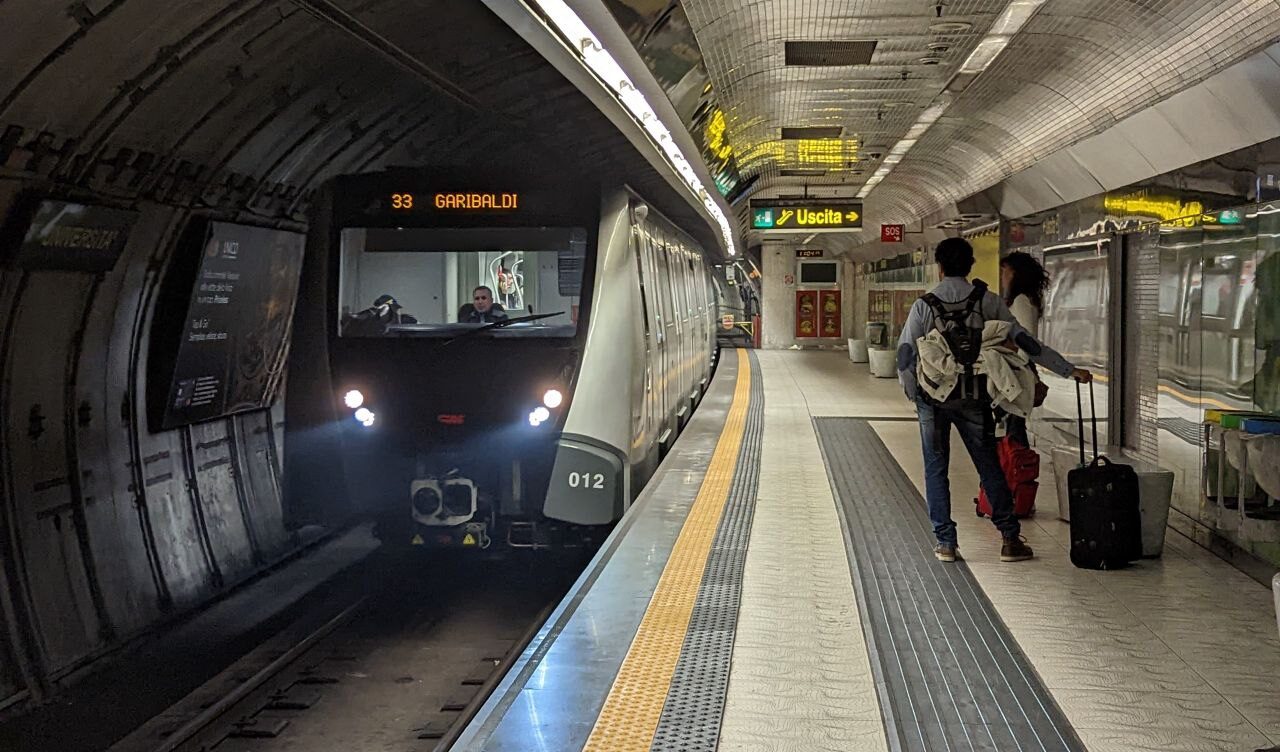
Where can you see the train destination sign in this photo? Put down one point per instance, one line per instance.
(458, 201)
(806, 215)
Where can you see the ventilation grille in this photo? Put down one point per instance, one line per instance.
(815, 132)
(802, 173)
(830, 53)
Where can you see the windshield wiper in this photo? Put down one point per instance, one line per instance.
(499, 324)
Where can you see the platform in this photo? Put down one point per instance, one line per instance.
(774, 589)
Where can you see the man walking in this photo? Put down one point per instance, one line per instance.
(971, 417)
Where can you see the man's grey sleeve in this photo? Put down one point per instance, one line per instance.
(907, 352)
(1040, 353)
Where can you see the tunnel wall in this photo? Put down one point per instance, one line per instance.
(111, 528)
(238, 110)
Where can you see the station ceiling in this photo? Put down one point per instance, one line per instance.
(1000, 84)
(282, 94)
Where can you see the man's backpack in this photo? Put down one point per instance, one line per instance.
(960, 325)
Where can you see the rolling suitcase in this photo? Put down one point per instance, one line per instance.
(1021, 466)
(1106, 524)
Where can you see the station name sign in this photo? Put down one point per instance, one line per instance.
(65, 236)
(805, 214)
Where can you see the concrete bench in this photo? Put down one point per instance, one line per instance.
(1155, 491)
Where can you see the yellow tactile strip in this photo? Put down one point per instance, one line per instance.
(631, 711)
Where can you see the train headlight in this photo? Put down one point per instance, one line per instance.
(426, 501)
(541, 413)
(366, 417)
(353, 399)
(553, 398)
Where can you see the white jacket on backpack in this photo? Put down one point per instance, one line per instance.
(1011, 383)
(954, 289)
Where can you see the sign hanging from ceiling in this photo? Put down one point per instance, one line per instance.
(805, 215)
(891, 233)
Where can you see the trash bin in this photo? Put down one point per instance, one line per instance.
(883, 362)
(858, 350)
(1275, 588)
(877, 334)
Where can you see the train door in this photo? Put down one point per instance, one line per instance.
(1220, 287)
(1174, 273)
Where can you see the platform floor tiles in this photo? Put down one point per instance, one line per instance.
(1179, 653)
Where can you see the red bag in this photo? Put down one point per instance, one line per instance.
(1021, 467)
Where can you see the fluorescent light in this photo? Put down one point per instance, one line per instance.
(598, 60)
(984, 53)
(1015, 15)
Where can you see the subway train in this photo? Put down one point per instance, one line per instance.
(1207, 302)
(507, 357)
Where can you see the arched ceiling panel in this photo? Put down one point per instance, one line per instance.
(251, 100)
(1076, 68)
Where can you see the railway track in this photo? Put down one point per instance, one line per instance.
(401, 663)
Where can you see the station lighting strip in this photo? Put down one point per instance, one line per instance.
(598, 60)
(1013, 18)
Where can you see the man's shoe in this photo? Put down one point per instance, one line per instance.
(1015, 550)
(945, 552)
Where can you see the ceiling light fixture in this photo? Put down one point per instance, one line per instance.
(1015, 15)
(582, 42)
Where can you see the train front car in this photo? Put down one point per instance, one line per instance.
(458, 308)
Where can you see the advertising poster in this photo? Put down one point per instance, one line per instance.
(806, 313)
(232, 353)
(829, 313)
(880, 306)
(903, 300)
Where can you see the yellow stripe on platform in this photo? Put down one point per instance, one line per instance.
(631, 712)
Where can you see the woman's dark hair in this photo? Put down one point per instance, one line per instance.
(1029, 278)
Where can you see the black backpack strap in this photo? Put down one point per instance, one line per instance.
(934, 302)
(976, 297)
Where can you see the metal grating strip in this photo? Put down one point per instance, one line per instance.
(814, 132)
(694, 707)
(827, 53)
(950, 675)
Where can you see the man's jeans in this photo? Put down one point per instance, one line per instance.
(937, 456)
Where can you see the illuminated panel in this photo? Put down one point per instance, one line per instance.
(815, 214)
(599, 61)
(454, 201)
(1175, 213)
(477, 201)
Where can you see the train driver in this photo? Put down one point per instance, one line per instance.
(481, 309)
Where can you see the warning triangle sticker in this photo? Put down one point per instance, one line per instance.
(417, 540)
(469, 540)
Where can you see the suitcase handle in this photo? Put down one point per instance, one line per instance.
(1093, 417)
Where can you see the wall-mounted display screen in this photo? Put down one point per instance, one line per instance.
(65, 236)
(231, 355)
(819, 273)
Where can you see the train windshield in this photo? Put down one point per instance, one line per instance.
(428, 282)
